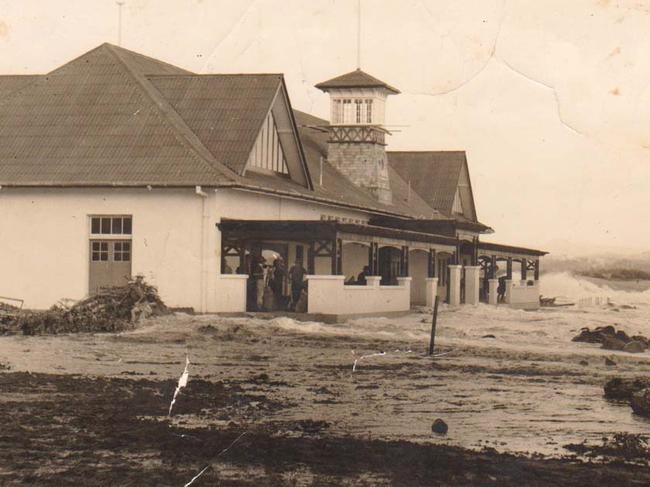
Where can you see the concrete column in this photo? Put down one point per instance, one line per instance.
(405, 282)
(508, 291)
(472, 284)
(454, 284)
(373, 281)
(492, 291)
(431, 290)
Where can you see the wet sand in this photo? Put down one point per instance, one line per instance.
(92, 409)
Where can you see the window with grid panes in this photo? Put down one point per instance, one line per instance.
(99, 251)
(122, 251)
(110, 225)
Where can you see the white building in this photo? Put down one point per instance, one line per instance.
(116, 164)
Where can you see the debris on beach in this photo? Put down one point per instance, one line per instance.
(640, 402)
(612, 339)
(112, 309)
(635, 391)
(8, 308)
(439, 427)
(622, 389)
(623, 446)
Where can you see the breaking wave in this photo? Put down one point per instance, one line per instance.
(585, 291)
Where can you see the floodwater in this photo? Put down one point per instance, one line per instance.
(508, 379)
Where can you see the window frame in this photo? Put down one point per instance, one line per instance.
(124, 251)
(99, 251)
(368, 106)
(110, 218)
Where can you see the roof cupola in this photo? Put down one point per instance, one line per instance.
(357, 137)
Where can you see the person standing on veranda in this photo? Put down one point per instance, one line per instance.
(297, 278)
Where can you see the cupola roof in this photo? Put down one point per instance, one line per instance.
(355, 79)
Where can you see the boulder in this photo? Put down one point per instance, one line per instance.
(588, 336)
(622, 389)
(439, 427)
(642, 339)
(640, 402)
(612, 343)
(609, 362)
(606, 330)
(634, 347)
(621, 335)
(597, 335)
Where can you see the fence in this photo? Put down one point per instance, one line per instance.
(593, 301)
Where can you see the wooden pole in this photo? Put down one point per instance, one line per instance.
(433, 326)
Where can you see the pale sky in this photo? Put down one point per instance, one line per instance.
(550, 98)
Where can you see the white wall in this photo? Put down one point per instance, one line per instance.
(329, 295)
(254, 206)
(520, 295)
(231, 295)
(44, 241)
(44, 238)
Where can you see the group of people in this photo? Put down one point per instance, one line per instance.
(361, 278)
(272, 287)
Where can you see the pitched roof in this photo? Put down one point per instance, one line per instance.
(355, 79)
(93, 122)
(224, 111)
(434, 175)
(112, 117)
(11, 83)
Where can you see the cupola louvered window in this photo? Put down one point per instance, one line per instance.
(352, 111)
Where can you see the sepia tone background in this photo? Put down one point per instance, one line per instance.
(550, 99)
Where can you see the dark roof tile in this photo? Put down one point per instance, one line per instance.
(115, 117)
(434, 175)
(355, 79)
(11, 83)
(91, 122)
(224, 111)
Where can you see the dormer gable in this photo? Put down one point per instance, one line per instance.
(277, 149)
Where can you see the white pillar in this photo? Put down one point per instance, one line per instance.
(492, 291)
(454, 284)
(431, 290)
(373, 281)
(472, 284)
(508, 291)
(405, 282)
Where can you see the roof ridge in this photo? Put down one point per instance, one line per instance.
(42, 77)
(181, 131)
(135, 53)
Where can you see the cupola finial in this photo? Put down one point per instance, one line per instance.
(359, 34)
